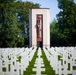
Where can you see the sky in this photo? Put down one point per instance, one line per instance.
(52, 4)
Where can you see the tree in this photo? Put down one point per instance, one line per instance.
(9, 30)
(54, 33)
(14, 16)
(66, 21)
(23, 17)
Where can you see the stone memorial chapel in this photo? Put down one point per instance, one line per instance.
(39, 27)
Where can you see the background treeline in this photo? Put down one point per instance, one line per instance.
(63, 31)
(14, 23)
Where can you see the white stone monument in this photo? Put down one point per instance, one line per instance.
(39, 27)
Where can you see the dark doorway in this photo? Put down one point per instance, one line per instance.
(40, 44)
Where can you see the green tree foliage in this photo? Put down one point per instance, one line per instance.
(14, 17)
(23, 17)
(67, 22)
(54, 33)
(8, 24)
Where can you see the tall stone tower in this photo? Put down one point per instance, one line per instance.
(39, 27)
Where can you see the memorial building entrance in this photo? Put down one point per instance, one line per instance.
(39, 26)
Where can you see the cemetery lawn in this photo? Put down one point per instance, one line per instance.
(48, 69)
(31, 65)
(65, 59)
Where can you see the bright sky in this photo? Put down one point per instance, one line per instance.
(52, 4)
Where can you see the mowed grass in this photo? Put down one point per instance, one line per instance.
(48, 69)
(31, 65)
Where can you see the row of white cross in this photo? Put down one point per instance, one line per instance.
(67, 56)
(39, 64)
(13, 61)
(9, 56)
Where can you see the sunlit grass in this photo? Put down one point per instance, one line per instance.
(48, 69)
(31, 65)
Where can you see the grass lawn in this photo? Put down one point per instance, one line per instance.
(48, 69)
(31, 65)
